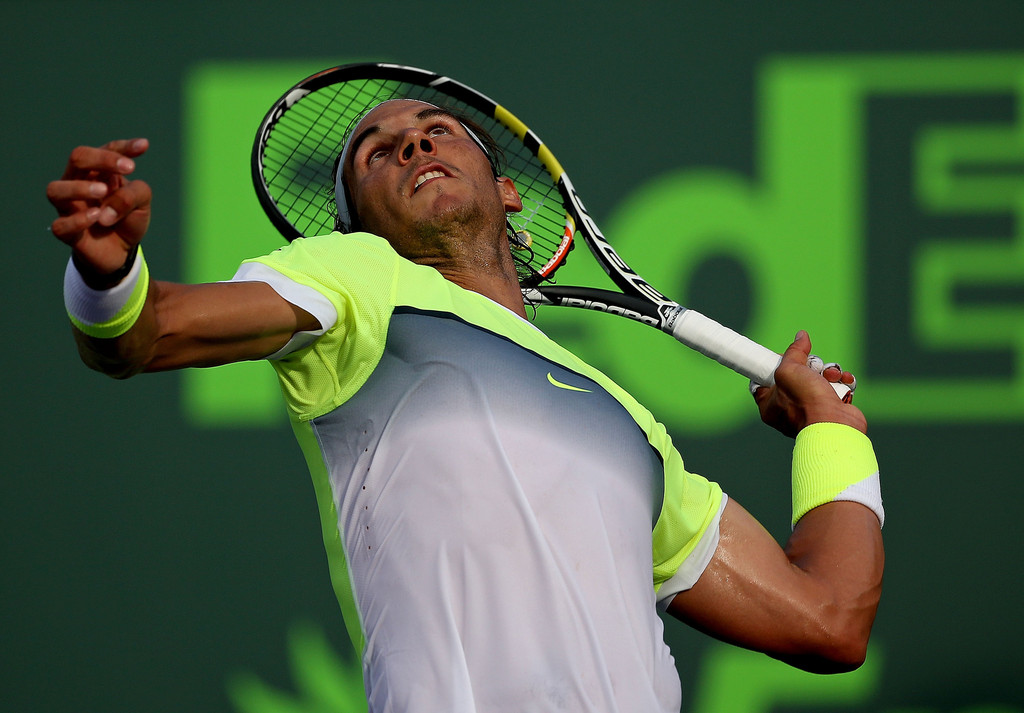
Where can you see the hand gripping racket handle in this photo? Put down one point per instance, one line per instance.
(732, 349)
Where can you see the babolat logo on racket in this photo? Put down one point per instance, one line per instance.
(610, 309)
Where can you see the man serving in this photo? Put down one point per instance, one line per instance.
(501, 519)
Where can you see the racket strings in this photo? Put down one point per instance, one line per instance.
(303, 147)
(300, 151)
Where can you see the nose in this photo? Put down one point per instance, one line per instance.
(415, 139)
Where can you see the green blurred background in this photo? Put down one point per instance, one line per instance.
(856, 169)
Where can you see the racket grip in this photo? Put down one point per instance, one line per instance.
(727, 347)
(732, 349)
(844, 392)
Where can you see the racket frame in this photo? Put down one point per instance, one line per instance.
(638, 300)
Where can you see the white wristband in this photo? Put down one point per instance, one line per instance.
(106, 313)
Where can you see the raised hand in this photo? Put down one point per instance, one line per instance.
(803, 395)
(102, 214)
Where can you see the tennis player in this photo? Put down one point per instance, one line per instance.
(501, 519)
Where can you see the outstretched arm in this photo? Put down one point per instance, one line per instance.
(813, 602)
(103, 216)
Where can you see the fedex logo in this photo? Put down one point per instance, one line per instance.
(884, 215)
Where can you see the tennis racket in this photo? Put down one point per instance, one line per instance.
(293, 170)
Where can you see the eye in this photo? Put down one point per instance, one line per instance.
(438, 130)
(376, 154)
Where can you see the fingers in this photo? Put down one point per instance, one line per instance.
(64, 191)
(130, 197)
(94, 190)
(77, 204)
(795, 354)
(832, 372)
(69, 228)
(797, 359)
(128, 147)
(92, 174)
(102, 215)
(111, 159)
(805, 392)
(799, 349)
(80, 204)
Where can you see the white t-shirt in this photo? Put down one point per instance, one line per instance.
(500, 518)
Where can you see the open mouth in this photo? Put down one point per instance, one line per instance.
(426, 177)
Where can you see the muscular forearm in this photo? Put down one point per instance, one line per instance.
(184, 325)
(811, 603)
(837, 539)
(122, 356)
(838, 548)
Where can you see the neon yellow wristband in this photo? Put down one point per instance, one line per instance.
(106, 314)
(834, 462)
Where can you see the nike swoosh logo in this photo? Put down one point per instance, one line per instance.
(559, 384)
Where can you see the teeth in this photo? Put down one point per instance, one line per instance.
(427, 176)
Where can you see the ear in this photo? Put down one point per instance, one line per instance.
(509, 195)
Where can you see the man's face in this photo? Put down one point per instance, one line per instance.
(416, 177)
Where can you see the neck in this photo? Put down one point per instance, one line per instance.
(480, 261)
(493, 278)
(506, 293)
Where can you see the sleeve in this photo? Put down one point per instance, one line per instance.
(695, 563)
(304, 296)
(348, 282)
(342, 280)
(686, 532)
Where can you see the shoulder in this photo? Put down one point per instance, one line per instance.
(334, 262)
(333, 245)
